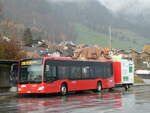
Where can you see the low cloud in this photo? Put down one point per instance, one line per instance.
(127, 6)
(133, 7)
(61, 0)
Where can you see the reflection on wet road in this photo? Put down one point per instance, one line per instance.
(137, 100)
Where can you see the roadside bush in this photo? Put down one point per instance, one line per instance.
(138, 79)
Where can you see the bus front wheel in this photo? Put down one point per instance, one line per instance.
(63, 89)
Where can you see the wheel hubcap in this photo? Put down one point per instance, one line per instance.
(64, 90)
(99, 88)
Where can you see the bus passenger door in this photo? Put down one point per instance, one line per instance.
(50, 77)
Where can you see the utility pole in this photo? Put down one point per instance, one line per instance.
(110, 38)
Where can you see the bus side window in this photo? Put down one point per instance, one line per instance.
(50, 72)
(108, 70)
(63, 72)
(85, 72)
(91, 72)
(99, 71)
(75, 72)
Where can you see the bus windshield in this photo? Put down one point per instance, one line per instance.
(30, 72)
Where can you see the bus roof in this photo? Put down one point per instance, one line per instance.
(58, 58)
(69, 58)
(66, 58)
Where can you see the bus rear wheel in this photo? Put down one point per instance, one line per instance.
(63, 89)
(98, 87)
(127, 87)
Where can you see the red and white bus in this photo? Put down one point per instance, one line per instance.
(62, 75)
(123, 73)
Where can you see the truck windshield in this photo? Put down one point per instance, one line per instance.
(30, 72)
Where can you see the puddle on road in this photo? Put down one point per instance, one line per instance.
(133, 101)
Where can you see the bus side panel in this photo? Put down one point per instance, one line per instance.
(87, 84)
(77, 85)
(55, 86)
(73, 85)
(108, 83)
(52, 87)
(90, 84)
(117, 72)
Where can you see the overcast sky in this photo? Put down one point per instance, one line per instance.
(130, 5)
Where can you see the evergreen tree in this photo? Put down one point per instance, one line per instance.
(27, 36)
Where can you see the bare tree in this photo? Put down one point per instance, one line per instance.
(11, 50)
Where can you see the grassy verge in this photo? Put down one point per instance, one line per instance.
(138, 80)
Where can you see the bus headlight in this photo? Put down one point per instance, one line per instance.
(110, 80)
(41, 88)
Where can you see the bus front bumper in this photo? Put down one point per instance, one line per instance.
(31, 88)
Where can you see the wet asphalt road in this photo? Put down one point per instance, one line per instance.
(136, 100)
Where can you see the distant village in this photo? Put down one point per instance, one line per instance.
(41, 48)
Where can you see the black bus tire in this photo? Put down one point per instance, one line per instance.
(63, 89)
(126, 87)
(129, 86)
(98, 87)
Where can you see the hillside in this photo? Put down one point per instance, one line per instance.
(120, 38)
(84, 22)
